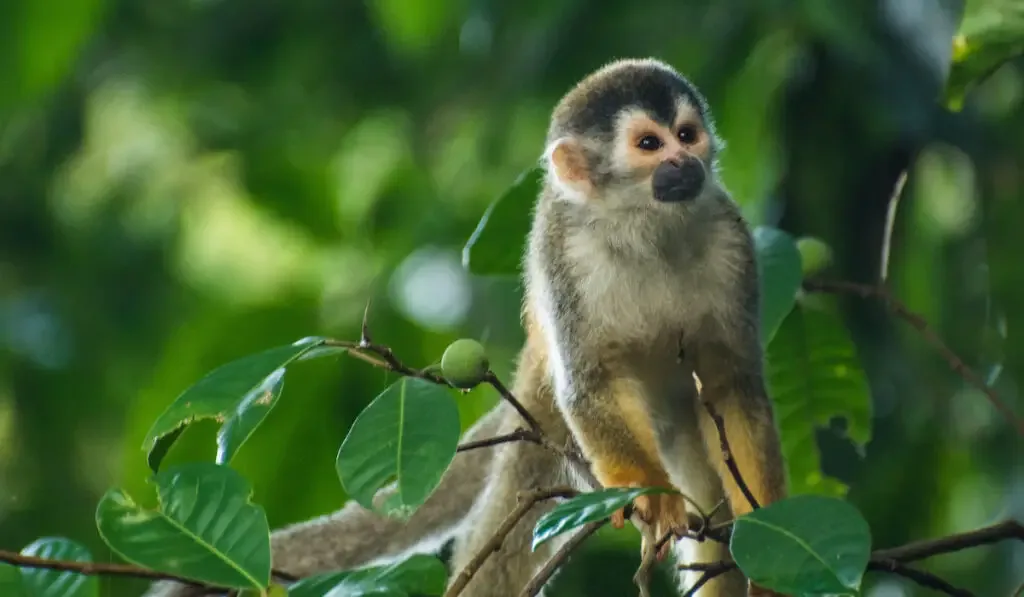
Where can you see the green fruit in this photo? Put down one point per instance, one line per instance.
(815, 255)
(276, 590)
(464, 363)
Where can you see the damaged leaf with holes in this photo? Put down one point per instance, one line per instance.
(205, 529)
(238, 395)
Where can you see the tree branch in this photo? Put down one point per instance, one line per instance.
(925, 579)
(524, 435)
(900, 310)
(724, 441)
(96, 569)
(545, 573)
(383, 357)
(526, 502)
(711, 570)
(918, 550)
(893, 560)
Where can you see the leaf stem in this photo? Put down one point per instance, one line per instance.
(918, 322)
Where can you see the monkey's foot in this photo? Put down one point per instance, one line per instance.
(660, 513)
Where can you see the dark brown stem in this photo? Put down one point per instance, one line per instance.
(925, 579)
(919, 323)
(894, 560)
(104, 569)
(551, 566)
(724, 441)
(711, 570)
(918, 550)
(526, 502)
(507, 396)
(519, 435)
(383, 357)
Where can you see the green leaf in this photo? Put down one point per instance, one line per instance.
(416, 575)
(10, 582)
(991, 33)
(780, 270)
(206, 529)
(42, 582)
(814, 375)
(497, 250)
(586, 508)
(409, 433)
(239, 395)
(803, 545)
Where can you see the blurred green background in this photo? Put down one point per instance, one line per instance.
(186, 182)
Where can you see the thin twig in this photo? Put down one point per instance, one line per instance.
(506, 395)
(724, 441)
(893, 559)
(518, 435)
(551, 566)
(918, 550)
(526, 502)
(890, 223)
(919, 323)
(711, 571)
(97, 569)
(385, 359)
(925, 579)
(642, 578)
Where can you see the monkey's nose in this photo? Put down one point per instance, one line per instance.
(676, 181)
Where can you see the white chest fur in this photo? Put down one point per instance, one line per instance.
(641, 295)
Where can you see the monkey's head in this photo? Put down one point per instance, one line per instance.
(634, 134)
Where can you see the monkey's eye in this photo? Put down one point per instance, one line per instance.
(687, 134)
(649, 143)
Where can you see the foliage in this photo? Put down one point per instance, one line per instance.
(40, 582)
(252, 165)
(804, 545)
(205, 528)
(589, 507)
(409, 433)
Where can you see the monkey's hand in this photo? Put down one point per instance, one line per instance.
(660, 513)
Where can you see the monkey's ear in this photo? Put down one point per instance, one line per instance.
(569, 169)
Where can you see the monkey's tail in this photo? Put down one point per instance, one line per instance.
(354, 536)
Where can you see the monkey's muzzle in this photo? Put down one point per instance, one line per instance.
(676, 181)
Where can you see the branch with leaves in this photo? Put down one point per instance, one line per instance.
(257, 381)
(195, 534)
(424, 394)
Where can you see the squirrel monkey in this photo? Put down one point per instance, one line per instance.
(640, 271)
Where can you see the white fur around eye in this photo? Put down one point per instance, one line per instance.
(568, 188)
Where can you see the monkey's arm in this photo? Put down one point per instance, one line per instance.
(613, 429)
(354, 536)
(731, 371)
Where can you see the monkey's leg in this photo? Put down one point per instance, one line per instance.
(738, 395)
(734, 386)
(616, 433)
(519, 467)
(693, 472)
(354, 536)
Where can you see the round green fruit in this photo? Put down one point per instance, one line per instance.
(276, 590)
(815, 255)
(464, 363)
